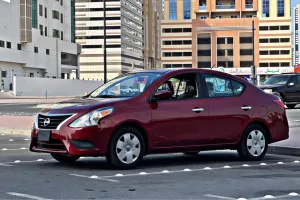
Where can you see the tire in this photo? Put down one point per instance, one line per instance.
(291, 106)
(191, 153)
(64, 158)
(126, 149)
(260, 140)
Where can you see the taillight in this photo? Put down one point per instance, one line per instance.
(279, 102)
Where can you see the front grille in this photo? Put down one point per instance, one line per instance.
(52, 144)
(51, 122)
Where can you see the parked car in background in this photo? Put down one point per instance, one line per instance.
(175, 110)
(287, 86)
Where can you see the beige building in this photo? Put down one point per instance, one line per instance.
(218, 33)
(152, 13)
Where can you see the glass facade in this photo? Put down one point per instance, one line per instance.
(187, 9)
(34, 14)
(73, 21)
(173, 10)
(266, 8)
(280, 8)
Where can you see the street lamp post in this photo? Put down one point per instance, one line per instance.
(253, 44)
(104, 38)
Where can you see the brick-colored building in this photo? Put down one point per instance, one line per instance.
(218, 33)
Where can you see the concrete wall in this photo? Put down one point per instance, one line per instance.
(27, 86)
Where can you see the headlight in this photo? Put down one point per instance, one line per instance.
(268, 90)
(91, 118)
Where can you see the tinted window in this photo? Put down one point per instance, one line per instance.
(218, 86)
(237, 87)
(277, 80)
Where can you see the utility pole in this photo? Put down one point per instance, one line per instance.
(253, 44)
(104, 38)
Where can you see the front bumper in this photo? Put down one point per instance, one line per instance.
(88, 141)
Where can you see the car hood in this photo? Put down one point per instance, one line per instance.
(79, 105)
(269, 86)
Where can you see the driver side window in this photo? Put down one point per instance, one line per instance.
(183, 86)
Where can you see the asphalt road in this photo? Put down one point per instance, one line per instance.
(210, 175)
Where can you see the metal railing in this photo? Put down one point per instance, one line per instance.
(225, 6)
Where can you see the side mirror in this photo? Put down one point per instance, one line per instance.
(291, 84)
(161, 95)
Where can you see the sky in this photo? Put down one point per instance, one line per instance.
(294, 2)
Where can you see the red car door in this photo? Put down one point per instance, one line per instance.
(182, 120)
(229, 108)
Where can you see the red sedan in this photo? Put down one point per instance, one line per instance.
(161, 111)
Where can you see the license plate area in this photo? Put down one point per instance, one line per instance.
(44, 136)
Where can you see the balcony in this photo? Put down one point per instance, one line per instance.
(202, 8)
(249, 6)
(223, 7)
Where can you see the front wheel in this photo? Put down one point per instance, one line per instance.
(64, 158)
(254, 143)
(126, 148)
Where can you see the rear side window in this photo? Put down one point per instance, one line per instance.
(218, 86)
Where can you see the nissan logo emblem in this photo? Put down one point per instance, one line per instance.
(46, 122)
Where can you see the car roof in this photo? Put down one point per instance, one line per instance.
(168, 70)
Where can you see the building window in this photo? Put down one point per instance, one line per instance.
(61, 2)
(61, 18)
(280, 8)
(2, 43)
(36, 49)
(285, 52)
(220, 40)
(274, 64)
(245, 63)
(173, 10)
(55, 14)
(34, 14)
(285, 28)
(234, 16)
(246, 40)
(263, 28)
(204, 52)
(203, 40)
(284, 39)
(8, 45)
(19, 47)
(187, 9)
(62, 35)
(41, 10)
(274, 40)
(47, 52)
(31, 74)
(264, 64)
(285, 64)
(203, 17)
(266, 8)
(73, 21)
(246, 52)
(274, 52)
(46, 31)
(230, 52)
(69, 59)
(230, 40)
(263, 52)
(45, 12)
(41, 29)
(263, 40)
(221, 52)
(56, 33)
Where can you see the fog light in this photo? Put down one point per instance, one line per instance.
(82, 144)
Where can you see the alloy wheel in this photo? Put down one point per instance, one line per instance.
(256, 143)
(128, 148)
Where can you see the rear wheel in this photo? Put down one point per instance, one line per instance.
(64, 158)
(254, 143)
(127, 148)
(291, 106)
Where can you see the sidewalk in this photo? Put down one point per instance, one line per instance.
(290, 146)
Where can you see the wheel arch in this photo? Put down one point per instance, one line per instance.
(134, 124)
(263, 125)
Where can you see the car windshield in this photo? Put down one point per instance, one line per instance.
(277, 80)
(127, 85)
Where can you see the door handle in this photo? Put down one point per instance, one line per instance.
(197, 110)
(246, 107)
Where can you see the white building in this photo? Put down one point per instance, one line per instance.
(37, 39)
(124, 37)
(296, 37)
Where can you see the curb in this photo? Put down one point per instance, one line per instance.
(16, 132)
(282, 150)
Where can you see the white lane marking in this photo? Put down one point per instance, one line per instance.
(185, 170)
(165, 171)
(293, 194)
(241, 199)
(296, 161)
(2, 134)
(95, 177)
(226, 167)
(6, 149)
(26, 139)
(5, 165)
(246, 165)
(10, 140)
(280, 163)
(26, 196)
(28, 161)
(218, 197)
(269, 197)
